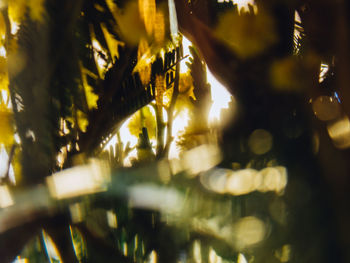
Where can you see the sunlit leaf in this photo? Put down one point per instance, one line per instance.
(2, 26)
(3, 74)
(91, 97)
(112, 43)
(17, 9)
(6, 127)
(186, 95)
(37, 10)
(159, 28)
(186, 85)
(128, 20)
(143, 118)
(99, 53)
(82, 120)
(148, 14)
(143, 65)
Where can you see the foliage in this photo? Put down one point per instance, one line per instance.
(71, 73)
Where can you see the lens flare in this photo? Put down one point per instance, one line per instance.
(249, 231)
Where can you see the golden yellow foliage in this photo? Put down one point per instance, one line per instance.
(16, 60)
(159, 28)
(143, 118)
(16, 164)
(143, 62)
(185, 92)
(6, 126)
(112, 43)
(3, 74)
(18, 8)
(36, 9)
(186, 84)
(247, 34)
(91, 97)
(129, 22)
(100, 62)
(2, 26)
(147, 9)
(82, 120)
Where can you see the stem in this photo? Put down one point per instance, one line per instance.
(160, 131)
(170, 110)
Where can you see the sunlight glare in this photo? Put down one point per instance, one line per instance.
(151, 196)
(6, 199)
(50, 247)
(242, 4)
(197, 254)
(152, 257)
(324, 68)
(101, 63)
(20, 260)
(125, 137)
(2, 51)
(186, 52)
(4, 158)
(241, 258)
(112, 219)
(3, 161)
(179, 125)
(201, 158)
(220, 97)
(80, 180)
(339, 131)
(111, 143)
(213, 257)
(249, 231)
(172, 18)
(245, 181)
(76, 212)
(14, 27)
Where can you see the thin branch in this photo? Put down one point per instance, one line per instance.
(170, 110)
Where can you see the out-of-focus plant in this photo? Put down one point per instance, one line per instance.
(72, 71)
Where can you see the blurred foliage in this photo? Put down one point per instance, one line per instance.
(268, 185)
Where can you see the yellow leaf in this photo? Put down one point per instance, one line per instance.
(16, 164)
(97, 48)
(112, 43)
(17, 9)
(186, 85)
(82, 120)
(3, 74)
(147, 10)
(91, 97)
(144, 61)
(129, 22)
(143, 118)
(2, 26)
(6, 126)
(36, 9)
(159, 28)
